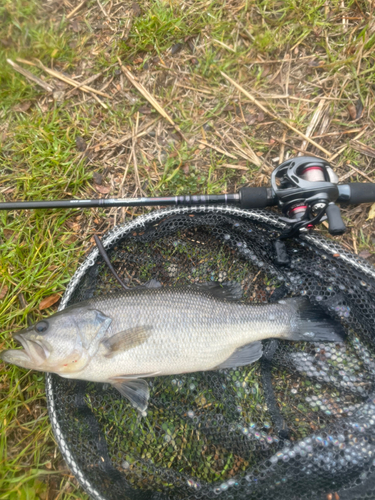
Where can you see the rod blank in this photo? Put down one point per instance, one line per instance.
(124, 202)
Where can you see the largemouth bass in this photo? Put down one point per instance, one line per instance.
(123, 338)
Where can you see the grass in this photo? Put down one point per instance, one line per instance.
(322, 51)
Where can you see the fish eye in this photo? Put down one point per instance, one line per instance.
(41, 327)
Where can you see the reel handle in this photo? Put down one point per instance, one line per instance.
(335, 222)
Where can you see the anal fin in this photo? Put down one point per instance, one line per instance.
(135, 390)
(243, 356)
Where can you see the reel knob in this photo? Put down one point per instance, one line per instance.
(335, 222)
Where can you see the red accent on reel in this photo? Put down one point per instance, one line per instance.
(296, 211)
(298, 208)
(313, 173)
(305, 169)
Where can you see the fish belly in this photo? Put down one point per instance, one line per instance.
(169, 354)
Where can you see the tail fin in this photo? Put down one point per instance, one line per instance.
(311, 323)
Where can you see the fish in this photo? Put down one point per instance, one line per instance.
(125, 337)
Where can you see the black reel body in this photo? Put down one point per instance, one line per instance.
(306, 189)
(297, 425)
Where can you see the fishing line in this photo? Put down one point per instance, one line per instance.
(103, 253)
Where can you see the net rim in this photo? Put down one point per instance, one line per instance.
(118, 232)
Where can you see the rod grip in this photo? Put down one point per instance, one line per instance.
(256, 197)
(361, 193)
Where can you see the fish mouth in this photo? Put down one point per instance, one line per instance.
(17, 357)
(21, 341)
(33, 355)
(33, 349)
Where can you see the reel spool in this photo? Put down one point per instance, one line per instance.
(298, 425)
(314, 173)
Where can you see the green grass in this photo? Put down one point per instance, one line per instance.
(39, 251)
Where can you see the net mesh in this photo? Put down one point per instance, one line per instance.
(298, 424)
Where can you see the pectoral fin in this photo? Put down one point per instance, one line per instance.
(243, 356)
(135, 390)
(127, 339)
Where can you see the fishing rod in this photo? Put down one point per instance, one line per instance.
(304, 188)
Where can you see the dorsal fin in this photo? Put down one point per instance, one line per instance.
(229, 290)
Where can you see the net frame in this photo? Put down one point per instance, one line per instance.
(258, 216)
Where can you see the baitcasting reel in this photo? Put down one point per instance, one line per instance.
(306, 189)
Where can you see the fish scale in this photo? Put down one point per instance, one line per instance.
(191, 331)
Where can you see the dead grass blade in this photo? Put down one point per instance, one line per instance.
(341, 150)
(102, 9)
(86, 82)
(282, 148)
(234, 167)
(281, 141)
(247, 154)
(75, 10)
(143, 130)
(150, 98)
(275, 117)
(72, 82)
(30, 76)
(355, 169)
(317, 116)
(212, 146)
(362, 148)
(338, 133)
(135, 164)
